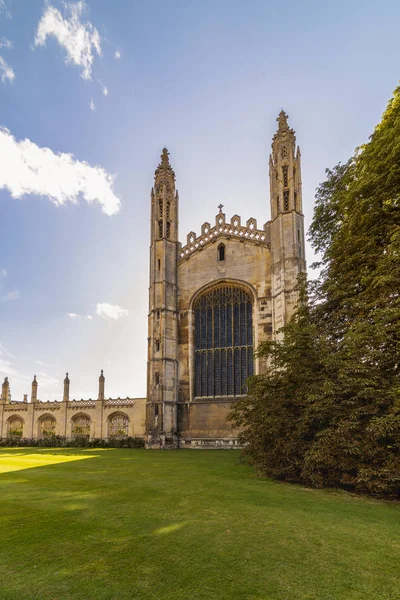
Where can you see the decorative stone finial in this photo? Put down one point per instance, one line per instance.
(164, 167)
(220, 206)
(282, 120)
(165, 156)
(34, 380)
(101, 386)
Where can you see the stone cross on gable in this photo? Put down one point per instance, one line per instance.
(220, 206)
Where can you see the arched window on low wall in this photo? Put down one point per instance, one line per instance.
(15, 427)
(47, 426)
(118, 426)
(80, 427)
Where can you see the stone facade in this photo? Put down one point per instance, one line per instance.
(101, 418)
(215, 299)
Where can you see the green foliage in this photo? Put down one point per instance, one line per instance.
(59, 441)
(328, 411)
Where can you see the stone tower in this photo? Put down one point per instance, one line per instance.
(287, 223)
(162, 371)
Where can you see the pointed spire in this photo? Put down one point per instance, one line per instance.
(34, 389)
(282, 121)
(5, 390)
(66, 388)
(101, 386)
(164, 166)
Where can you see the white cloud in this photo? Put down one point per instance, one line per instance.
(110, 311)
(3, 273)
(4, 10)
(117, 54)
(14, 295)
(6, 72)
(81, 40)
(105, 90)
(92, 105)
(6, 366)
(28, 169)
(5, 43)
(40, 363)
(76, 317)
(47, 381)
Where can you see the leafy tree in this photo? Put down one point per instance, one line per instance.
(328, 411)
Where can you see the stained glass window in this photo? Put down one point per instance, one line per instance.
(223, 339)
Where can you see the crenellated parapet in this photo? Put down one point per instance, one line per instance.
(224, 229)
(120, 402)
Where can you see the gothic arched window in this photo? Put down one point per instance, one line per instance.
(221, 252)
(118, 426)
(81, 426)
(47, 426)
(223, 341)
(15, 427)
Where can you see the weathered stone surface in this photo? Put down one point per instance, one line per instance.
(265, 262)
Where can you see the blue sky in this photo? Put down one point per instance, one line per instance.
(111, 83)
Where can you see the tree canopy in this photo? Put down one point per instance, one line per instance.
(327, 412)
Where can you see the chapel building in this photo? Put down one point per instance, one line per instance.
(213, 301)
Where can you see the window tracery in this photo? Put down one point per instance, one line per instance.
(286, 200)
(15, 427)
(118, 426)
(47, 426)
(285, 176)
(223, 342)
(81, 427)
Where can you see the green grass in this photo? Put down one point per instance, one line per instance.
(184, 525)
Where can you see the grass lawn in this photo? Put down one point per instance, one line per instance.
(179, 525)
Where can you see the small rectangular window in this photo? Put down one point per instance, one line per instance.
(159, 264)
(158, 315)
(157, 378)
(286, 200)
(157, 345)
(285, 176)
